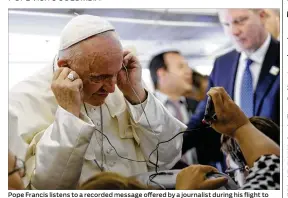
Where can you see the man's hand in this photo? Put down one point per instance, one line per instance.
(229, 115)
(134, 73)
(194, 178)
(68, 93)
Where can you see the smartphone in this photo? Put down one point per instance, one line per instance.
(209, 115)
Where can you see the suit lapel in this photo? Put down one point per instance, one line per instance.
(231, 81)
(266, 79)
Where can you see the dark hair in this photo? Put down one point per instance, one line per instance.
(113, 181)
(266, 126)
(156, 63)
(197, 78)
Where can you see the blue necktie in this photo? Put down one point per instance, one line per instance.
(247, 93)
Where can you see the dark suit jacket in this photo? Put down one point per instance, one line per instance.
(266, 97)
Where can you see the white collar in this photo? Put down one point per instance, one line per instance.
(259, 55)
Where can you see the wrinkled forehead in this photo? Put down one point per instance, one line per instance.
(108, 62)
(230, 15)
(101, 53)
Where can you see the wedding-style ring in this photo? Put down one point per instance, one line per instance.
(71, 77)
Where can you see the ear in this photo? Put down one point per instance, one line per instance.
(63, 63)
(263, 15)
(161, 72)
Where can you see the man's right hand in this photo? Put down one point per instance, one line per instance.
(229, 115)
(68, 93)
(194, 178)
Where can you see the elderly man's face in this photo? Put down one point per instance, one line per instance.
(98, 65)
(246, 27)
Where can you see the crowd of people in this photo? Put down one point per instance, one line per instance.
(87, 122)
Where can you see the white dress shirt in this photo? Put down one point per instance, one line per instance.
(62, 148)
(255, 68)
(181, 106)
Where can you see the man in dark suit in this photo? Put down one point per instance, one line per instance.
(250, 75)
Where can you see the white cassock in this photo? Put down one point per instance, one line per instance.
(63, 149)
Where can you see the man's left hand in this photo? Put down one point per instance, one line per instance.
(131, 77)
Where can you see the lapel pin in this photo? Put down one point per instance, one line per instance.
(274, 70)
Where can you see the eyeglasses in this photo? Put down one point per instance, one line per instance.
(18, 167)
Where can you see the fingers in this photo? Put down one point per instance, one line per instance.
(75, 75)
(79, 83)
(130, 60)
(216, 97)
(127, 58)
(208, 169)
(125, 52)
(62, 74)
(211, 184)
(221, 91)
(57, 73)
(65, 72)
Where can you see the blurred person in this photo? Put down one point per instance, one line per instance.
(172, 79)
(236, 163)
(200, 82)
(198, 92)
(272, 22)
(250, 74)
(16, 171)
(78, 122)
(260, 152)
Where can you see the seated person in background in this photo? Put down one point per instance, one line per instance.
(235, 160)
(16, 171)
(260, 152)
(77, 122)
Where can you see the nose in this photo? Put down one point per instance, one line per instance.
(109, 85)
(235, 30)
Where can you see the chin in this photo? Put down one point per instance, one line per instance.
(243, 47)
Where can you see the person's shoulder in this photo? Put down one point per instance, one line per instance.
(228, 55)
(275, 41)
(41, 79)
(34, 91)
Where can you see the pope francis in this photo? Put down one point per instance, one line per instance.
(89, 112)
